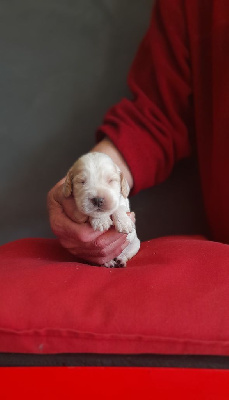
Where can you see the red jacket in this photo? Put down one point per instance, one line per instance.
(180, 81)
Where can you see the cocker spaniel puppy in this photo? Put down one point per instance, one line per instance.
(101, 196)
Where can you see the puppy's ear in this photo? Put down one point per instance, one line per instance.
(67, 188)
(125, 189)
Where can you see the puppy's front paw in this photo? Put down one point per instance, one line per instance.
(123, 224)
(101, 224)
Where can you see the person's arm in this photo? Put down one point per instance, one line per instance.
(151, 130)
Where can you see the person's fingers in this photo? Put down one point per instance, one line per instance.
(98, 259)
(109, 237)
(56, 193)
(66, 203)
(91, 251)
(96, 248)
(110, 252)
(110, 255)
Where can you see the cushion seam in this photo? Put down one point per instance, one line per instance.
(111, 336)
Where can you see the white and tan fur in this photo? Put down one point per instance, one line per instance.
(101, 196)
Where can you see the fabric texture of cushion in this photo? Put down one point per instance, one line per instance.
(172, 298)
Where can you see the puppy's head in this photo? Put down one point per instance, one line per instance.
(96, 183)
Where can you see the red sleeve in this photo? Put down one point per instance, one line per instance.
(151, 129)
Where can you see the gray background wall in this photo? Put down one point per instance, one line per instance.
(62, 64)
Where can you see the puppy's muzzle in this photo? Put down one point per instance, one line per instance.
(97, 201)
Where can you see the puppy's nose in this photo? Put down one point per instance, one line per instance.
(97, 201)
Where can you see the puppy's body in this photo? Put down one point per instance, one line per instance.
(100, 192)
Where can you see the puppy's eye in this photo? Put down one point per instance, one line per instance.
(112, 180)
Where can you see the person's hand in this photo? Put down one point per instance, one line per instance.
(80, 239)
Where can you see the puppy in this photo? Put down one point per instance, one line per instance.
(100, 192)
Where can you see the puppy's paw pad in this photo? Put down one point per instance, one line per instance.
(119, 262)
(110, 264)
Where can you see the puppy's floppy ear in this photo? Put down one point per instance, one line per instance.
(125, 189)
(67, 188)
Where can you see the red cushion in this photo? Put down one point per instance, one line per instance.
(172, 298)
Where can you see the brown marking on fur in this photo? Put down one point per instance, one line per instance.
(124, 186)
(67, 188)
